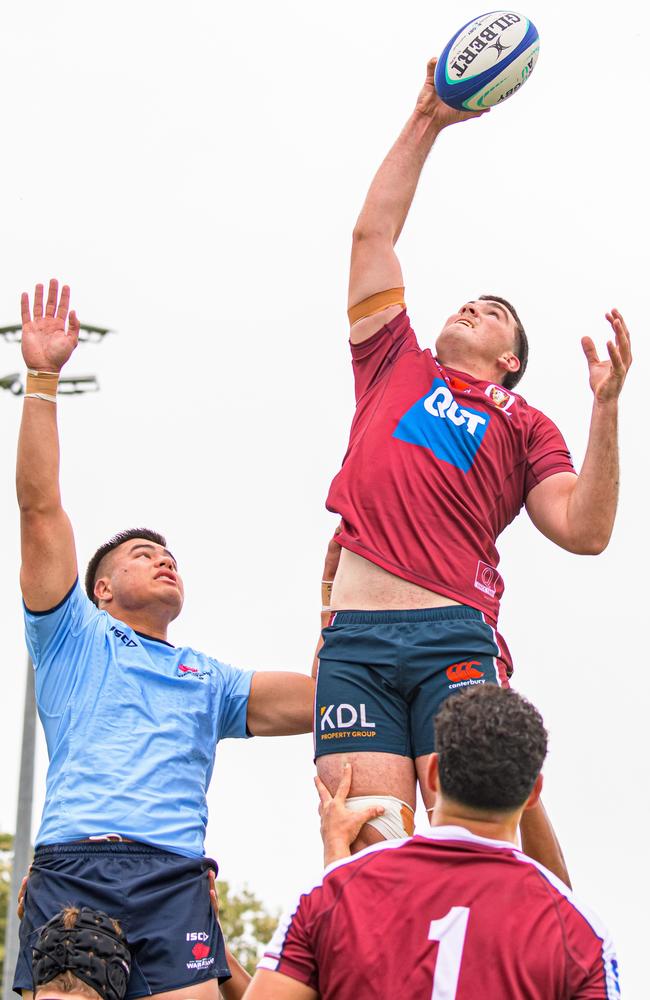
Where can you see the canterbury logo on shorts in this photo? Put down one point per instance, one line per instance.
(464, 671)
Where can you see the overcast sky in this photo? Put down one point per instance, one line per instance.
(194, 173)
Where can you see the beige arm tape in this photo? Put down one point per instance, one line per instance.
(42, 385)
(326, 595)
(375, 303)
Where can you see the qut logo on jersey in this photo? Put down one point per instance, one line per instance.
(344, 717)
(452, 432)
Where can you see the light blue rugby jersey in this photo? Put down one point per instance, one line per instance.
(131, 725)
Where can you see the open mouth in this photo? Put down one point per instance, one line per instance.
(465, 322)
(166, 576)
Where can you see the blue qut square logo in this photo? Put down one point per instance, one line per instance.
(451, 431)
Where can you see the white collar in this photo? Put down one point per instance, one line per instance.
(462, 833)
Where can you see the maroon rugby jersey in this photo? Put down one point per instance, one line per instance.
(437, 465)
(444, 916)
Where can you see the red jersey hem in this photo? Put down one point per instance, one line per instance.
(547, 473)
(287, 968)
(438, 588)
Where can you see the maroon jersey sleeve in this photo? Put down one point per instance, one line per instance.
(290, 950)
(592, 963)
(374, 357)
(547, 452)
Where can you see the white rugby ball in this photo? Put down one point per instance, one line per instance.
(487, 60)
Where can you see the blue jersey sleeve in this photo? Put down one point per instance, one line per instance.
(233, 705)
(53, 638)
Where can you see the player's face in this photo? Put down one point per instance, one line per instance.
(142, 572)
(482, 329)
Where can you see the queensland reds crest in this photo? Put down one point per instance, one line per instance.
(500, 396)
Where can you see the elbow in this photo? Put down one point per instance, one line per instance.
(377, 231)
(593, 545)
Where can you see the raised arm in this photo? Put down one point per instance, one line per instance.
(374, 266)
(578, 513)
(49, 562)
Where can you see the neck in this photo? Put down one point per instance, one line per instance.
(144, 620)
(477, 368)
(494, 826)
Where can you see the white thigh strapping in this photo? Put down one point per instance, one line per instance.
(396, 821)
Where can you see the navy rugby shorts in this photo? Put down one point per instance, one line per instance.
(162, 901)
(383, 675)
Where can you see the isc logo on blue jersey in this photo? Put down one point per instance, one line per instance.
(437, 422)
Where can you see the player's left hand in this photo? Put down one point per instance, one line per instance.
(606, 378)
(340, 827)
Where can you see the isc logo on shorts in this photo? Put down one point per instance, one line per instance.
(337, 721)
(451, 431)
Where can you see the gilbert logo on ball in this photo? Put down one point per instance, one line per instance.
(487, 61)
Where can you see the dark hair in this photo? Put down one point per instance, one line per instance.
(112, 543)
(521, 342)
(491, 744)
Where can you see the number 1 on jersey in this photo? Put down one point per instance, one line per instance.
(450, 932)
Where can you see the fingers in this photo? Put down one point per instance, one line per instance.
(431, 68)
(343, 790)
(372, 813)
(623, 340)
(323, 793)
(615, 358)
(214, 897)
(38, 302)
(73, 326)
(20, 909)
(25, 316)
(53, 290)
(590, 351)
(64, 303)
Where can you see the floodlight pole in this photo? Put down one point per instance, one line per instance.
(22, 837)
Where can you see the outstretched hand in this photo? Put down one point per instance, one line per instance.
(340, 827)
(46, 343)
(430, 104)
(606, 378)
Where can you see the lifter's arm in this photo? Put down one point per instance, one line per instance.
(49, 562)
(538, 841)
(374, 266)
(578, 513)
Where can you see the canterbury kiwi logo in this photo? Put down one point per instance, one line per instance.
(464, 671)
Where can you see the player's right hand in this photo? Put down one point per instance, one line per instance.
(46, 343)
(429, 104)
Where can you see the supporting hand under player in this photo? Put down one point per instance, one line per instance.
(339, 827)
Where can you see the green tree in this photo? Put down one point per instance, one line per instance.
(247, 926)
(6, 859)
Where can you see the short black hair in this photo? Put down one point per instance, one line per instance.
(491, 744)
(112, 543)
(521, 342)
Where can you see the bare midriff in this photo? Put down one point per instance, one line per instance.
(361, 585)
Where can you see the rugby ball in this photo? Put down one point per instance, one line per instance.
(487, 61)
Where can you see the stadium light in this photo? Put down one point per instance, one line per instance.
(69, 385)
(87, 333)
